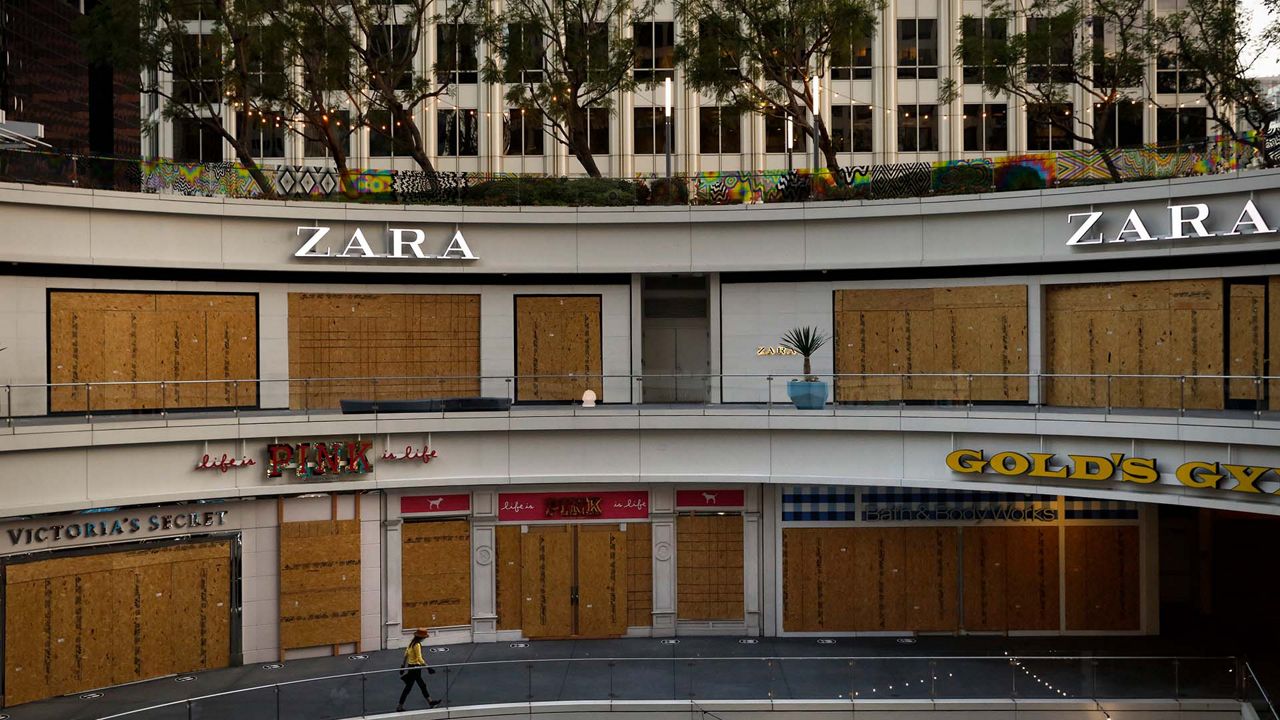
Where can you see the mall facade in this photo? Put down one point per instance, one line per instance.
(276, 430)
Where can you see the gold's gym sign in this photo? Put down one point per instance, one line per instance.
(1114, 467)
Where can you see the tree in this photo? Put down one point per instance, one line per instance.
(1213, 37)
(191, 74)
(563, 61)
(759, 55)
(1099, 50)
(384, 40)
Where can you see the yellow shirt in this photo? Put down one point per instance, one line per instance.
(413, 655)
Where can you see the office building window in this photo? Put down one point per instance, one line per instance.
(387, 138)
(1047, 126)
(987, 35)
(655, 44)
(1173, 77)
(1052, 55)
(917, 48)
(1179, 127)
(851, 129)
(851, 61)
(523, 131)
(650, 131)
(775, 135)
(719, 131)
(587, 46)
(598, 130)
(1122, 126)
(338, 124)
(524, 54)
(457, 133)
(196, 62)
(456, 58)
(193, 142)
(986, 127)
(390, 50)
(262, 132)
(917, 128)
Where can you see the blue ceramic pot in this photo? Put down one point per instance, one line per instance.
(807, 395)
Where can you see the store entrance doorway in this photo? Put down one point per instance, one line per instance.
(574, 581)
(676, 340)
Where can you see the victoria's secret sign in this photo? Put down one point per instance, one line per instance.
(114, 527)
(615, 505)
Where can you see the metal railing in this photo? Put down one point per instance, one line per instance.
(250, 400)
(1256, 695)
(1093, 678)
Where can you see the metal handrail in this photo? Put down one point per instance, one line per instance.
(763, 658)
(1265, 698)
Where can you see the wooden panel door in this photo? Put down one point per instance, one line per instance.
(879, 581)
(557, 337)
(985, 550)
(507, 577)
(1103, 584)
(1246, 342)
(435, 572)
(546, 581)
(601, 581)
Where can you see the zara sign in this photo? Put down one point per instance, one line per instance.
(400, 244)
(1185, 222)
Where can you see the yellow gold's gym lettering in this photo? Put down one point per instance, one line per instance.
(1116, 466)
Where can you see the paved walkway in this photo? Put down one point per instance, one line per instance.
(698, 668)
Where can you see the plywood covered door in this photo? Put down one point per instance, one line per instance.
(82, 622)
(1247, 339)
(709, 562)
(879, 596)
(985, 587)
(558, 347)
(601, 581)
(1103, 590)
(435, 573)
(1031, 566)
(931, 557)
(546, 581)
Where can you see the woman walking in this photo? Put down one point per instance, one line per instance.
(413, 665)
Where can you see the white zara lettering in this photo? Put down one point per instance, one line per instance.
(1189, 221)
(401, 244)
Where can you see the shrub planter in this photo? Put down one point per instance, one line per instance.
(807, 394)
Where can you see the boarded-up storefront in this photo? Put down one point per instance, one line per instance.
(319, 583)
(86, 621)
(182, 339)
(967, 330)
(558, 347)
(418, 346)
(435, 573)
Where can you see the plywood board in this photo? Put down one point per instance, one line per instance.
(1032, 578)
(1272, 365)
(1136, 328)
(1103, 583)
(81, 622)
(435, 573)
(601, 581)
(985, 578)
(639, 575)
(709, 567)
(558, 337)
(418, 346)
(319, 583)
(1246, 349)
(833, 584)
(547, 581)
(928, 332)
(147, 338)
(931, 579)
(507, 577)
(795, 554)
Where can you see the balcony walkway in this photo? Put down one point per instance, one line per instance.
(697, 668)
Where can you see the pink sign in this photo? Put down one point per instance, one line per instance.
(711, 498)
(410, 504)
(613, 505)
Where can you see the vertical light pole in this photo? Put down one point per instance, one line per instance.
(816, 84)
(790, 134)
(667, 145)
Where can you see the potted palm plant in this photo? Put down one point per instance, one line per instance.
(809, 393)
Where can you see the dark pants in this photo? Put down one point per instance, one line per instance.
(411, 676)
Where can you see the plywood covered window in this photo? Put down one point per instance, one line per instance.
(82, 622)
(911, 333)
(1167, 327)
(1103, 589)
(126, 337)
(319, 583)
(418, 346)
(709, 575)
(435, 573)
(558, 347)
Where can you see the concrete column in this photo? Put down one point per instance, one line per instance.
(662, 520)
(752, 562)
(713, 307)
(770, 550)
(393, 590)
(1035, 339)
(484, 610)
